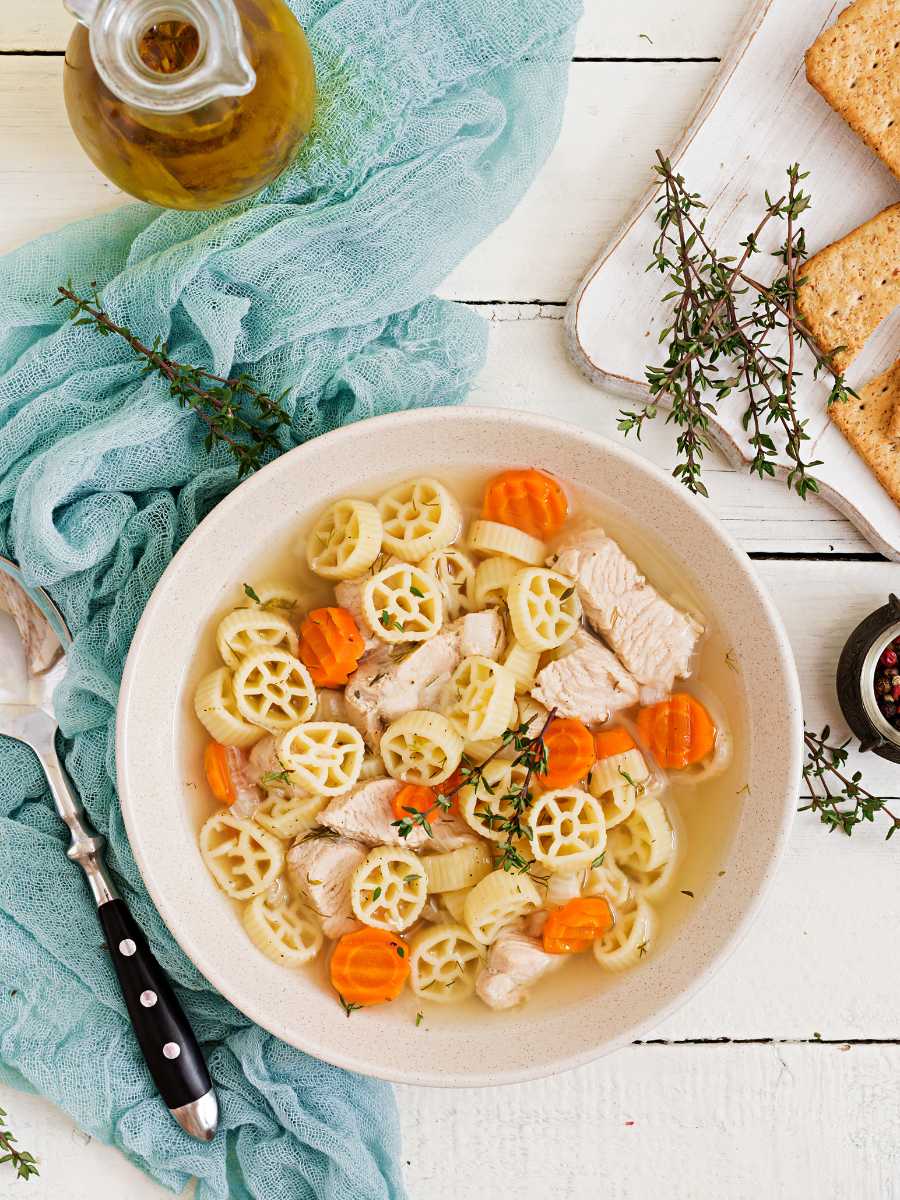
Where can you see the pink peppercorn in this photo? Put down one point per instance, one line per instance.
(889, 657)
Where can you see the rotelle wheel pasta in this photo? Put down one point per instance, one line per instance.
(489, 537)
(497, 901)
(421, 747)
(273, 688)
(283, 928)
(492, 579)
(568, 831)
(345, 540)
(418, 516)
(217, 710)
(403, 603)
(630, 938)
(249, 629)
(444, 961)
(455, 575)
(389, 888)
(544, 608)
(483, 693)
(243, 859)
(324, 757)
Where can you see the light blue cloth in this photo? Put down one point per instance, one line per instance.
(433, 118)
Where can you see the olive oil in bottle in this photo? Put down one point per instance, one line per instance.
(189, 103)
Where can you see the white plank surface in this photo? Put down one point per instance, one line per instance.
(794, 1119)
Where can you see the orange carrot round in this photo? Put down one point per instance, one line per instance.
(526, 499)
(572, 928)
(215, 764)
(330, 645)
(679, 731)
(570, 753)
(608, 742)
(418, 797)
(369, 966)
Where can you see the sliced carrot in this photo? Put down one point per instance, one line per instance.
(570, 753)
(330, 645)
(608, 742)
(369, 966)
(679, 731)
(450, 787)
(215, 764)
(572, 928)
(526, 499)
(418, 798)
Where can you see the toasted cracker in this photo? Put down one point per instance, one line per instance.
(855, 65)
(865, 422)
(852, 285)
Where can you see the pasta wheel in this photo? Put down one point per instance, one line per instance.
(243, 859)
(629, 939)
(455, 575)
(421, 747)
(284, 929)
(533, 714)
(489, 537)
(492, 580)
(271, 594)
(455, 903)
(287, 814)
(654, 885)
(485, 807)
(419, 517)
(646, 840)
(274, 689)
(248, 629)
(544, 608)
(345, 540)
(217, 710)
(522, 664)
(389, 888)
(482, 692)
(324, 757)
(496, 902)
(457, 869)
(402, 603)
(609, 880)
(444, 962)
(567, 829)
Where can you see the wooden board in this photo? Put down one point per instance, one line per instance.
(759, 116)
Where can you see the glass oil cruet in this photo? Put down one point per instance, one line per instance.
(189, 103)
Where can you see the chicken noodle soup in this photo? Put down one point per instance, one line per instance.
(454, 765)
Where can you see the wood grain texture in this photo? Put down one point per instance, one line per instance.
(689, 28)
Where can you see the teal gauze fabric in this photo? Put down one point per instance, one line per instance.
(433, 118)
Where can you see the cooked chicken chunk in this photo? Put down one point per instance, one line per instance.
(449, 832)
(653, 639)
(348, 594)
(320, 870)
(514, 963)
(480, 633)
(384, 688)
(365, 813)
(588, 682)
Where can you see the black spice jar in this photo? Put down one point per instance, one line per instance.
(868, 695)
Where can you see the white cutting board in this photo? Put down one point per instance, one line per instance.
(759, 116)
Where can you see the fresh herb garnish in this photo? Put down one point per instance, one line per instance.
(598, 861)
(686, 892)
(401, 951)
(567, 594)
(348, 1008)
(638, 787)
(235, 412)
(249, 591)
(23, 1163)
(719, 343)
(390, 622)
(415, 591)
(642, 949)
(731, 661)
(839, 799)
(419, 1019)
(375, 894)
(275, 777)
(410, 878)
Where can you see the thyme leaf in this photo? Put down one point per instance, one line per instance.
(839, 799)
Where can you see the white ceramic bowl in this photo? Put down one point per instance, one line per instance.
(571, 1019)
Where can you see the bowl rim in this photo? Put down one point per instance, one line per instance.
(786, 665)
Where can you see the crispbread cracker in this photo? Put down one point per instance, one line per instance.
(864, 423)
(856, 66)
(852, 285)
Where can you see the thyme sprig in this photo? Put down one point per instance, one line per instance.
(839, 799)
(236, 413)
(23, 1163)
(719, 336)
(531, 754)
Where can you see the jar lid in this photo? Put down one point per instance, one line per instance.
(857, 676)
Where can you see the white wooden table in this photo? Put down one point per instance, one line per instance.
(782, 1078)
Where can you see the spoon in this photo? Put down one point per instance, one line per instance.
(34, 641)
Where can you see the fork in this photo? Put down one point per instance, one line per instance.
(34, 641)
